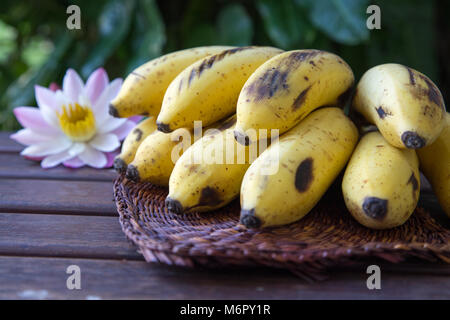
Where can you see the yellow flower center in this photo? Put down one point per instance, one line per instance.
(77, 122)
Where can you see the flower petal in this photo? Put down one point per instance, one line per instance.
(101, 107)
(72, 85)
(76, 148)
(96, 83)
(105, 142)
(33, 119)
(136, 119)
(46, 148)
(110, 156)
(46, 97)
(75, 162)
(111, 124)
(122, 131)
(28, 137)
(55, 159)
(93, 157)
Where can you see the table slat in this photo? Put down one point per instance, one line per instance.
(105, 279)
(52, 196)
(64, 236)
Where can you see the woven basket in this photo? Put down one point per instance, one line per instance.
(327, 237)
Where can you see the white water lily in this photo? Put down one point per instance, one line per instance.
(72, 126)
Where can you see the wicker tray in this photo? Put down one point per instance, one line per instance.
(327, 237)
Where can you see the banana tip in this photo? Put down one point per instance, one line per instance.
(174, 206)
(241, 138)
(412, 140)
(163, 127)
(249, 220)
(113, 111)
(375, 208)
(132, 173)
(120, 166)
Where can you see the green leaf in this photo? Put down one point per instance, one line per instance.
(234, 26)
(202, 34)
(113, 25)
(342, 20)
(148, 35)
(284, 23)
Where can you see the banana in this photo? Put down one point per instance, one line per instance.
(213, 180)
(143, 90)
(381, 183)
(156, 156)
(132, 142)
(286, 88)
(208, 89)
(309, 157)
(435, 163)
(404, 104)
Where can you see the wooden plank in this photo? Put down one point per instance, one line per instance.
(7, 144)
(64, 236)
(12, 165)
(57, 197)
(22, 277)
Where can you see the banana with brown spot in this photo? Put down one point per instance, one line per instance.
(132, 142)
(310, 157)
(156, 156)
(381, 184)
(286, 88)
(214, 179)
(403, 103)
(208, 89)
(435, 164)
(143, 90)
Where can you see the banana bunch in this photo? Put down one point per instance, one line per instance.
(286, 88)
(435, 163)
(403, 103)
(309, 158)
(143, 90)
(132, 142)
(381, 183)
(244, 96)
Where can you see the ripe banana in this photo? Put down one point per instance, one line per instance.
(381, 183)
(435, 163)
(213, 180)
(132, 142)
(404, 104)
(286, 88)
(208, 89)
(156, 156)
(310, 156)
(143, 90)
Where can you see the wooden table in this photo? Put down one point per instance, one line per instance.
(52, 219)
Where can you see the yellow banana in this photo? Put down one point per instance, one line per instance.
(156, 156)
(143, 90)
(286, 88)
(309, 157)
(435, 164)
(214, 179)
(404, 104)
(132, 142)
(381, 183)
(208, 89)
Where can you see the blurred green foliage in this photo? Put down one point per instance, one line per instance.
(37, 48)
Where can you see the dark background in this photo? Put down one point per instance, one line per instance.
(37, 48)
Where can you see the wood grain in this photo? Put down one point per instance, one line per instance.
(64, 236)
(104, 279)
(7, 144)
(12, 165)
(59, 197)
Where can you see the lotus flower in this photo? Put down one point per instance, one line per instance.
(72, 126)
